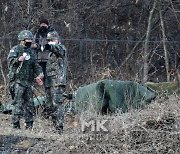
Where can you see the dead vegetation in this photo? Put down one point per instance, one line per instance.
(153, 130)
(105, 40)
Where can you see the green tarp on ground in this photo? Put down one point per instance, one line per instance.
(112, 94)
(164, 88)
(7, 108)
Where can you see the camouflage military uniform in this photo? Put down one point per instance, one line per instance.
(56, 80)
(21, 76)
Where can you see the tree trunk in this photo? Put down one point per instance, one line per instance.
(146, 44)
(29, 6)
(44, 4)
(142, 38)
(164, 43)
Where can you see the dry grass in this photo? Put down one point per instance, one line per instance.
(153, 130)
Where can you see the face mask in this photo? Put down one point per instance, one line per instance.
(53, 43)
(43, 29)
(28, 44)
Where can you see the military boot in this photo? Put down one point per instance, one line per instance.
(48, 111)
(59, 128)
(29, 125)
(58, 125)
(16, 125)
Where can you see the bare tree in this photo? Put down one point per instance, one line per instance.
(164, 42)
(44, 4)
(146, 45)
(114, 29)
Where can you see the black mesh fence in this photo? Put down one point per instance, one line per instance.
(90, 60)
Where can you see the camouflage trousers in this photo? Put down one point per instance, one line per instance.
(23, 104)
(54, 105)
(54, 95)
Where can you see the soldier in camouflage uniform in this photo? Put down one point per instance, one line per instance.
(55, 79)
(23, 70)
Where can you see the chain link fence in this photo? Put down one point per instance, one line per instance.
(90, 60)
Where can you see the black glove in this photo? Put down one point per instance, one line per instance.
(68, 96)
(43, 30)
(38, 47)
(47, 47)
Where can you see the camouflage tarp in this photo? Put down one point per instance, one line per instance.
(7, 107)
(113, 95)
(164, 88)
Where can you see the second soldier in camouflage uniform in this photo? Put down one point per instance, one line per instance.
(55, 79)
(23, 69)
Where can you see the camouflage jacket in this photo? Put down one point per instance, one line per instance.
(28, 69)
(40, 39)
(56, 66)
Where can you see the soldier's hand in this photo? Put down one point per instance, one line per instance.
(34, 45)
(21, 58)
(41, 76)
(47, 47)
(39, 81)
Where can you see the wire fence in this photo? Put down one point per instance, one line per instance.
(120, 59)
(93, 59)
(96, 40)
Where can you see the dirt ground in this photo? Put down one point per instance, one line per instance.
(154, 130)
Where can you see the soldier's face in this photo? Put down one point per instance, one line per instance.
(55, 40)
(27, 43)
(43, 25)
(28, 40)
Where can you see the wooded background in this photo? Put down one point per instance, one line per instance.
(108, 39)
